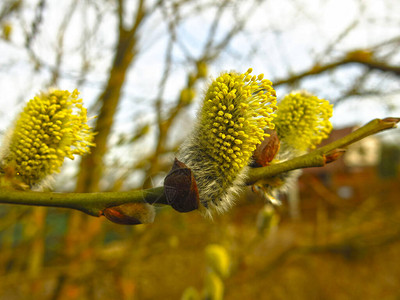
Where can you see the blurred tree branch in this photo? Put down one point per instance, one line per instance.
(361, 57)
(350, 248)
(60, 44)
(9, 8)
(91, 167)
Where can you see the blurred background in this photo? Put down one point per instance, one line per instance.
(142, 67)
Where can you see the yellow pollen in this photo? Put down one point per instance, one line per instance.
(237, 107)
(52, 126)
(303, 120)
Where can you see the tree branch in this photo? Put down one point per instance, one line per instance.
(323, 155)
(91, 166)
(94, 203)
(318, 69)
(90, 203)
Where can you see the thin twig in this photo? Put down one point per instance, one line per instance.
(317, 158)
(318, 69)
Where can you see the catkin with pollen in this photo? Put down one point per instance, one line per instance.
(301, 123)
(230, 123)
(52, 126)
(302, 120)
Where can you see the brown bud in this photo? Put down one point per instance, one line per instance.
(334, 155)
(180, 188)
(266, 151)
(391, 120)
(130, 213)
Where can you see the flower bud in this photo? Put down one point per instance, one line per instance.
(267, 150)
(130, 213)
(180, 188)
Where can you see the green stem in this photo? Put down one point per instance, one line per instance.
(305, 161)
(90, 203)
(94, 203)
(317, 158)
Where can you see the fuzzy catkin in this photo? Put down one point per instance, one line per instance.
(229, 126)
(52, 126)
(302, 122)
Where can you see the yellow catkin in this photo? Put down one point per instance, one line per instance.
(302, 120)
(236, 109)
(52, 126)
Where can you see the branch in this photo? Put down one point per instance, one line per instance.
(90, 203)
(318, 69)
(323, 155)
(95, 203)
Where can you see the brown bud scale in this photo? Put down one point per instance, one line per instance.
(180, 188)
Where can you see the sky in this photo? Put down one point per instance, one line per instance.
(279, 36)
